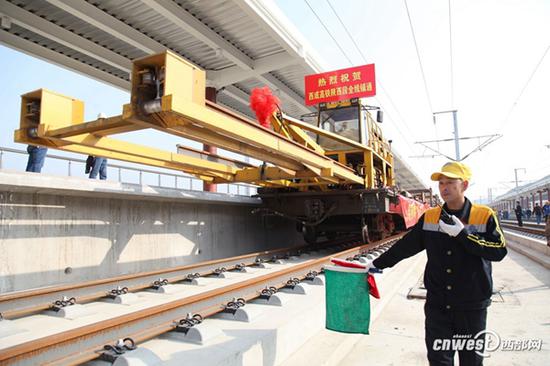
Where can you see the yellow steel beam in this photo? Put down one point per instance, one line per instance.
(183, 112)
(267, 173)
(369, 167)
(183, 104)
(295, 133)
(336, 137)
(102, 126)
(251, 134)
(87, 150)
(101, 146)
(321, 132)
(270, 173)
(310, 184)
(208, 137)
(274, 183)
(110, 144)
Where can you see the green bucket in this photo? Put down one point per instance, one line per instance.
(347, 300)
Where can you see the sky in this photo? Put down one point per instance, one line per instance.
(497, 87)
(496, 46)
(22, 73)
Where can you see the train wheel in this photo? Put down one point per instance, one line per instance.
(310, 234)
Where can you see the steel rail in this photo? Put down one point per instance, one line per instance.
(525, 223)
(21, 303)
(86, 342)
(529, 230)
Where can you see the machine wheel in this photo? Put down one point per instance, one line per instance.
(310, 234)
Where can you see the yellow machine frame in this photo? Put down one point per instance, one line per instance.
(292, 158)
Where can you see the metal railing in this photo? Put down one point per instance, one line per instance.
(181, 179)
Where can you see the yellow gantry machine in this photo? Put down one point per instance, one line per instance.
(168, 95)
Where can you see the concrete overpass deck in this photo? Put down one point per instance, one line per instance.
(80, 229)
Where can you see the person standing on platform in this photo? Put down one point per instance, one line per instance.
(537, 211)
(546, 213)
(98, 165)
(461, 240)
(37, 156)
(519, 214)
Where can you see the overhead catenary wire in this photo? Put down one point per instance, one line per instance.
(329, 32)
(422, 68)
(351, 63)
(514, 104)
(419, 58)
(451, 58)
(379, 82)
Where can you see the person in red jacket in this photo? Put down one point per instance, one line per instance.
(461, 240)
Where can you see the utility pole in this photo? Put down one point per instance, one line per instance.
(456, 139)
(516, 174)
(455, 125)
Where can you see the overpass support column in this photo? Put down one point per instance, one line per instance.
(211, 96)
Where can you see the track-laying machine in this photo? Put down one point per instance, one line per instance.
(330, 177)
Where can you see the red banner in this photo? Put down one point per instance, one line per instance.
(355, 82)
(411, 210)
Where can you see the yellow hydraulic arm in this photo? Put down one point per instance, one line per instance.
(168, 94)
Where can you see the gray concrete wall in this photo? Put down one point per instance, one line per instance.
(102, 229)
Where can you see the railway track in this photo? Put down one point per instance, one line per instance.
(531, 229)
(93, 324)
(21, 303)
(525, 224)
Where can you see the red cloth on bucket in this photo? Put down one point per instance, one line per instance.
(345, 263)
(373, 289)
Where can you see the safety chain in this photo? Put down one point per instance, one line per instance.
(355, 257)
(121, 346)
(60, 304)
(191, 276)
(219, 271)
(188, 322)
(275, 258)
(240, 267)
(159, 283)
(268, 292)
(233, 306)
(259, 262)
(291, 283)
(117, 292)
(310, 276)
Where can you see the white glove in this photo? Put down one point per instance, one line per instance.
(452, 230)
(368, 265)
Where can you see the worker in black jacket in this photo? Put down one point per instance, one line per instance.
(461, 240)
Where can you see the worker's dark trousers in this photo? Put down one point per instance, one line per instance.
(520, 221)
(444, 324)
